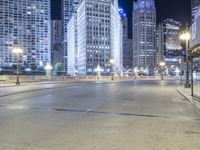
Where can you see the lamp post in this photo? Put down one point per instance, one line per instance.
(112, 61)
(136, 72)
(98, 70)
(17, 50)
(48, 69)
(162, 65)
(186, 37)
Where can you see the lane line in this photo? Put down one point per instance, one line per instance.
(88, 111)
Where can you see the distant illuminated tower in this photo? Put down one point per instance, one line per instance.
(194, 7)
(144, 35)
(98, 38)
(56, 42)
(124, 21)
(169, 47)
(26, 23)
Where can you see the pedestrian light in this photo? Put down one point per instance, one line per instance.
(98, 69)
(162, 64)
(48, 67)
(112, 61)
(17, 50)
(185, 36)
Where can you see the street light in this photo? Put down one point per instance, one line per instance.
(112, 61)
(162, 65)
(17, 50)
(186, 37)
(48, 69)
(136, 72)
(98, 70)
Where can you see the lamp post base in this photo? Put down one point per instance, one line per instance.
(112, 77)
(17, 83)
(187, 85)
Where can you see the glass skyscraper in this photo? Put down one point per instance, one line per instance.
(144, 35)
(26, 23)
(169, 48)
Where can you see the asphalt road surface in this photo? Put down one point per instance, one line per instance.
(129, 115)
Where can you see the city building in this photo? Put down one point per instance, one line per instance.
(169, 48)
(125, 54)
(26, 23)
(69, 8)
(56, 42)
(124, 20)
(98, 38)
(160, 44)
(194, 8)
(128, 55)
(195, 45)
(72, 46)
(144, 36)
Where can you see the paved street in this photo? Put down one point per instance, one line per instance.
(129, 115)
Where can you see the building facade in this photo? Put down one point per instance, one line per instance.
(195, 44)
(56, 42)
(144, 36)
(124, 22)
(128, 55)
(98, 38)
(69, 8)
(160, 43)
(72, 46)
(168, 47)
(26, 23)
(194, 8)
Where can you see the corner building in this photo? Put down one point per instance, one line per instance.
(144, 36)
(99, 37)
(26, 23)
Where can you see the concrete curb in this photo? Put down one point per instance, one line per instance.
(28, 91)
(192, 100)
(47, 88)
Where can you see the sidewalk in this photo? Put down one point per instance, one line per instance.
(187, 94)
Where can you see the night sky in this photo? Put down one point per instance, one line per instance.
(176, 9)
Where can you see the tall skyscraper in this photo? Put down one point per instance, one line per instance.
(98, 37)
(26, 23)
(128, 55)
(72, 38)
(169, 47)
(69, 7)
(124, 21)
(57, 42)
(144, 35)
(194, 7)
(160, 44)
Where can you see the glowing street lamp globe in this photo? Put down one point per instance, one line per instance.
(98, 69)
(162, 64)
(185, 36)
(17, 50)
(48, 67)
(112, 61)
